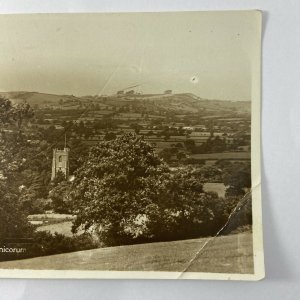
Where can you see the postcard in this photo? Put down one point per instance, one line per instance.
(130, 145)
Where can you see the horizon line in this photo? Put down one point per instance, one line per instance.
(115, 94)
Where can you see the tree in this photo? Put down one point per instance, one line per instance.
(60, 199)
(167, 136)
(150, 132)
(181, 209)
(30, 198)
(166, 154)
(189, 144)
(179, 145)
(209, 173)
(78, 152)
(13, 221)
(22, 112)
(109, 136)
(136, 127)
(181, 155)
(14, 113)
(6, 111)
(126, 193)
(237, 178)
(59, 190)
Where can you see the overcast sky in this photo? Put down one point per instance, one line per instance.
(209, 54)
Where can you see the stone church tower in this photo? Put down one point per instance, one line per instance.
(60, 162)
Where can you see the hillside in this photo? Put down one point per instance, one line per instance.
(36, 99)
(183, 102)
(224, 254)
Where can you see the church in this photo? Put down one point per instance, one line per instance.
(60, 162)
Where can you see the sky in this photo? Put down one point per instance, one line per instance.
(210, 54)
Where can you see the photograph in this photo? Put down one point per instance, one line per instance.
(130, 145)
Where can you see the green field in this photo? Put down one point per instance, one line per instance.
(223, 254)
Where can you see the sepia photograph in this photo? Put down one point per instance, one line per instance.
(130, 145)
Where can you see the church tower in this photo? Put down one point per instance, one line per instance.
(60, 162)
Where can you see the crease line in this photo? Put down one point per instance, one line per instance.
(239, 205)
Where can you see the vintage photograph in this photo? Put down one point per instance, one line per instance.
(130, 145)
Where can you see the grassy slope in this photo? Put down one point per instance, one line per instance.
(224, 254)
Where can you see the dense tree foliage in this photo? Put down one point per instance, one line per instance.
(211, 145)
(78, 152)
(13, 221)
(237, 178)
(17, 114)
(59, 191)
(22, 113)
(127, 193)
(6, 111)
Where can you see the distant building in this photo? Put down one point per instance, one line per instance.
(205, 134)
(131, 92)
(60, 162)
(59, 127)
(200, 127)
(200, 134)
(178, 125)
(168, 92)
(188, 128)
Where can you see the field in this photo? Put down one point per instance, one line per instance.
(60, 223)
(61, 228)
(223, 254)
(217, 187)
(224, 155)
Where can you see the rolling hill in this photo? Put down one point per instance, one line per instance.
(38, 99)
(183, 102)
